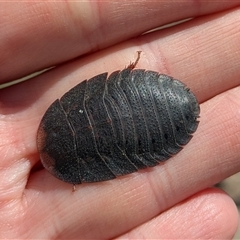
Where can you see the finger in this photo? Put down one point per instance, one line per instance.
(210, 214)
(42, 34)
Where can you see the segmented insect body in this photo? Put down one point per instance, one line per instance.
(112, 126)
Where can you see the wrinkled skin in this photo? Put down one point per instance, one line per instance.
(172, 200)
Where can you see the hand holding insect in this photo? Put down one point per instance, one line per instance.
(83, 40)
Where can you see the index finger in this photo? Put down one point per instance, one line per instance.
(37, 35)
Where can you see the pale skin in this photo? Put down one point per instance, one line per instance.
(172, 200)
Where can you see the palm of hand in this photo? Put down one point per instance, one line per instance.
(33, 204)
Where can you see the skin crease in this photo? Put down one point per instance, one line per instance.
(172, 200)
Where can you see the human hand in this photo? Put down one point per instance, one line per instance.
(174, 200)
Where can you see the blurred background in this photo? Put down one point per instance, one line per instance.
(231, 186)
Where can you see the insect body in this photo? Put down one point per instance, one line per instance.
(112, 126)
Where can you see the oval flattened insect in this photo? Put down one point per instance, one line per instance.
(112, 126)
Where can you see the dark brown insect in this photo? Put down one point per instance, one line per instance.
(112, 126)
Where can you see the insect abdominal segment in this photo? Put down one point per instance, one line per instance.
(112, 126)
